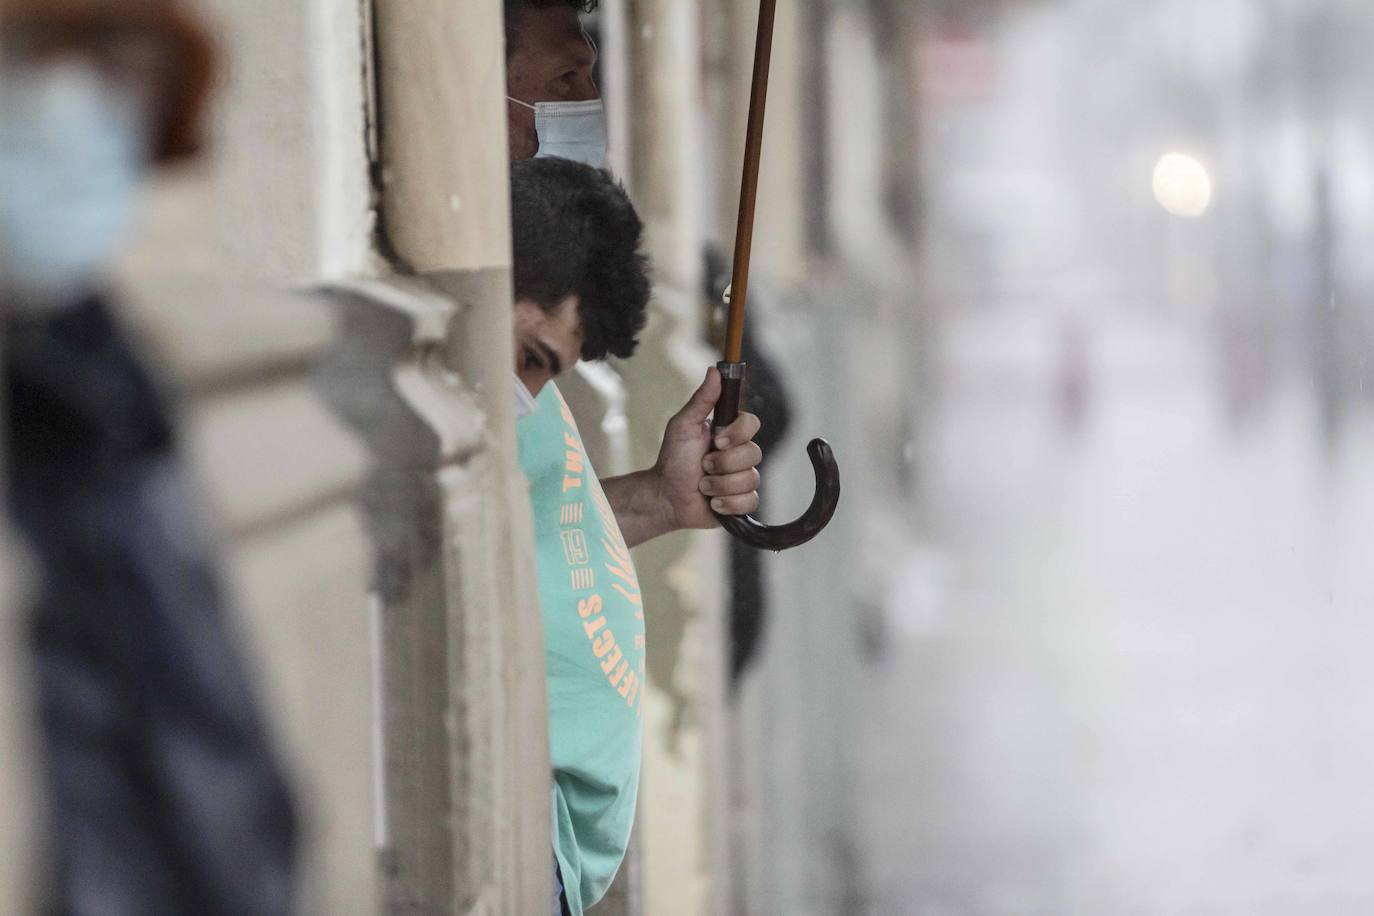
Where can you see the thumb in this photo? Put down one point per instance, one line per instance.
(703, 401)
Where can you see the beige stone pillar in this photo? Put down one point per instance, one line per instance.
(480, 822)
(682, 814)
(282, 200)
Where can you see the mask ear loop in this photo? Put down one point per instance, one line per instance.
(539, 141)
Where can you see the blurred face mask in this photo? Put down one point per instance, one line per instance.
(73, 152)
(571, 130)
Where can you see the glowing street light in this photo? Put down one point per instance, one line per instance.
(1182, 186)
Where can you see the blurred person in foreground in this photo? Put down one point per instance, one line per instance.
(163, 795)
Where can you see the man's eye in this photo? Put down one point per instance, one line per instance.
(531, 359)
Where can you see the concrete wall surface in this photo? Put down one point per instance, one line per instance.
(281, 476)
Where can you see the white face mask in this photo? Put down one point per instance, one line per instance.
(524, 401)
(571, 130)
(73, 152)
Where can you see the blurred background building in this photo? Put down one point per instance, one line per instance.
(1078, 289)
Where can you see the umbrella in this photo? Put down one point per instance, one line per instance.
(732, 369)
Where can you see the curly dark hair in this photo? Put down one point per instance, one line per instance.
(576, 233)
(515, 7)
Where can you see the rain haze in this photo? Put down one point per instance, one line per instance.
(1125, 663)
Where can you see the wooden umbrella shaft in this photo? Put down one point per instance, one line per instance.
(749, 185)
(748, 529)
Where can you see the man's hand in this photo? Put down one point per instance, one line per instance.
(689, 470)
(674, 493)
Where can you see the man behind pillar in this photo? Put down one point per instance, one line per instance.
(555, 115)
(163, 795)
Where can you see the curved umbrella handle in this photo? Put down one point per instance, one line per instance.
(750, 530)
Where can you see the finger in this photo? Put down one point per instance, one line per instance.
(703, 400)
(732, 461)
(740, 484)
(743, 430)
(735, 505)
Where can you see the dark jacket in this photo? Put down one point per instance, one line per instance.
(163, 794)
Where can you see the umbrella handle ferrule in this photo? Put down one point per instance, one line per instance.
(827, 497)
(731, 394)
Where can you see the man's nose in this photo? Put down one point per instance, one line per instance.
(584, 87)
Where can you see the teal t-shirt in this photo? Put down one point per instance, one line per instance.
(593, 648)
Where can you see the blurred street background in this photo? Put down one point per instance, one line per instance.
(1123, 667)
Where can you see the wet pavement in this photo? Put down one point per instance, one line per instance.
(1128, 665)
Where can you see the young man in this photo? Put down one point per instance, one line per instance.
(582, 289)
(555, 112)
